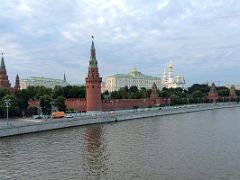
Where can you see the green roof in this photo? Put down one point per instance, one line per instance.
(133, 74)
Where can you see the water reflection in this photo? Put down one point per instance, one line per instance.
(203, 145)
(95, 154)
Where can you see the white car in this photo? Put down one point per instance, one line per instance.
(69, 116)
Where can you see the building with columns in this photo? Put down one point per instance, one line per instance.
(43, 81)
(133, 78)
(136, 78)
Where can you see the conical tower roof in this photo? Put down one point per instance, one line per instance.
(64, 77)
(2, 64)
(93, 60)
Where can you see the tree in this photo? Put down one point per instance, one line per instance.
(204, 88)
(124, 92)
(105, 95)
(45, 104)
(57, 91)
(143, 93)
(175, 99)
(133, 89)
(60, 103)
(23, 96)
(223, 91)
(41, 91)
(13, 109)
(77, 92)
(115, 95)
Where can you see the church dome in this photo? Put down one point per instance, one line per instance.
(135, 73)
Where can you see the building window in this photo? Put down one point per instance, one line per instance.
(92, 86)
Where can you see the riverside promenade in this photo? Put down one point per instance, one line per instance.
(29, 125)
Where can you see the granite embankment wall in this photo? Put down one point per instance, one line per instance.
(103, 118)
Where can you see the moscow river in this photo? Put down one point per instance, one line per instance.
(200, 145)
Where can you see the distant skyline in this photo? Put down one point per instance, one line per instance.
(47, 38)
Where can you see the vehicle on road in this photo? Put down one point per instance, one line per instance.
(58, 114)
(69, 116)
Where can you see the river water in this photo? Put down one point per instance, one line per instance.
(201, 145)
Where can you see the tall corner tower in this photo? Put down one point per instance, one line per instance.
(4, 82)
(93, 84)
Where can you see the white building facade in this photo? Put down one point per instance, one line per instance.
(136, 78)
(42, 81)
(133, 78)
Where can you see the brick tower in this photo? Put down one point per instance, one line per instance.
(4, 82)
(17, 83)
(93, 84)
(154, 93)
(213, 95)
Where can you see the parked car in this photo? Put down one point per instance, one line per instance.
(69, 116)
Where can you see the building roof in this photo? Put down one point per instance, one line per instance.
(35, 78)
(133, 74)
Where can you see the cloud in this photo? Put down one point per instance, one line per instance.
(162, 5)
(196, 36)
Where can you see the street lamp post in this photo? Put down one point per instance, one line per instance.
(7, 105)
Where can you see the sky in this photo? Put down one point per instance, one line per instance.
(201, 38)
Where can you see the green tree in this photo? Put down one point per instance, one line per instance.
(57, 91)
(175, 99)
(124, 92)
(41, 91)
(143, 93)
(13, 109)
(60, 103)
(45, 104)
(23, 96)
(223, 91)
(77, 92)
(115, 95)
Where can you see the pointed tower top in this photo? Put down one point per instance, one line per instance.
(2, 64)
(92, 47)
(64, 77)
(17, 83)
(93, 60)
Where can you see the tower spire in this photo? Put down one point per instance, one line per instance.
(93, 60)
(17, 83)
(2, 64)
(64, 77)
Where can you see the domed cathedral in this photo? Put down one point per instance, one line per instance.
(93, 83)
(4, 82)
(170, 82)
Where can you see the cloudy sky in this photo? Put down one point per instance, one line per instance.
(201, 38)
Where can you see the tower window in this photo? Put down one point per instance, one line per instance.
(93, 86)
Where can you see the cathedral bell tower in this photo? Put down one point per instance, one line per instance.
(93, 84)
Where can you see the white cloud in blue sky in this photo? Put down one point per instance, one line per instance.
(49, 37)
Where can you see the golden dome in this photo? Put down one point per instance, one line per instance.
(170, 66)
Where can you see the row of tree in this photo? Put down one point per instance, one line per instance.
(46, 96)
(56, 97)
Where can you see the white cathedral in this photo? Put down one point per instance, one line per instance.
(170, 82)
(136, 78)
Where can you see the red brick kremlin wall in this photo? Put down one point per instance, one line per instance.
(79, 105)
